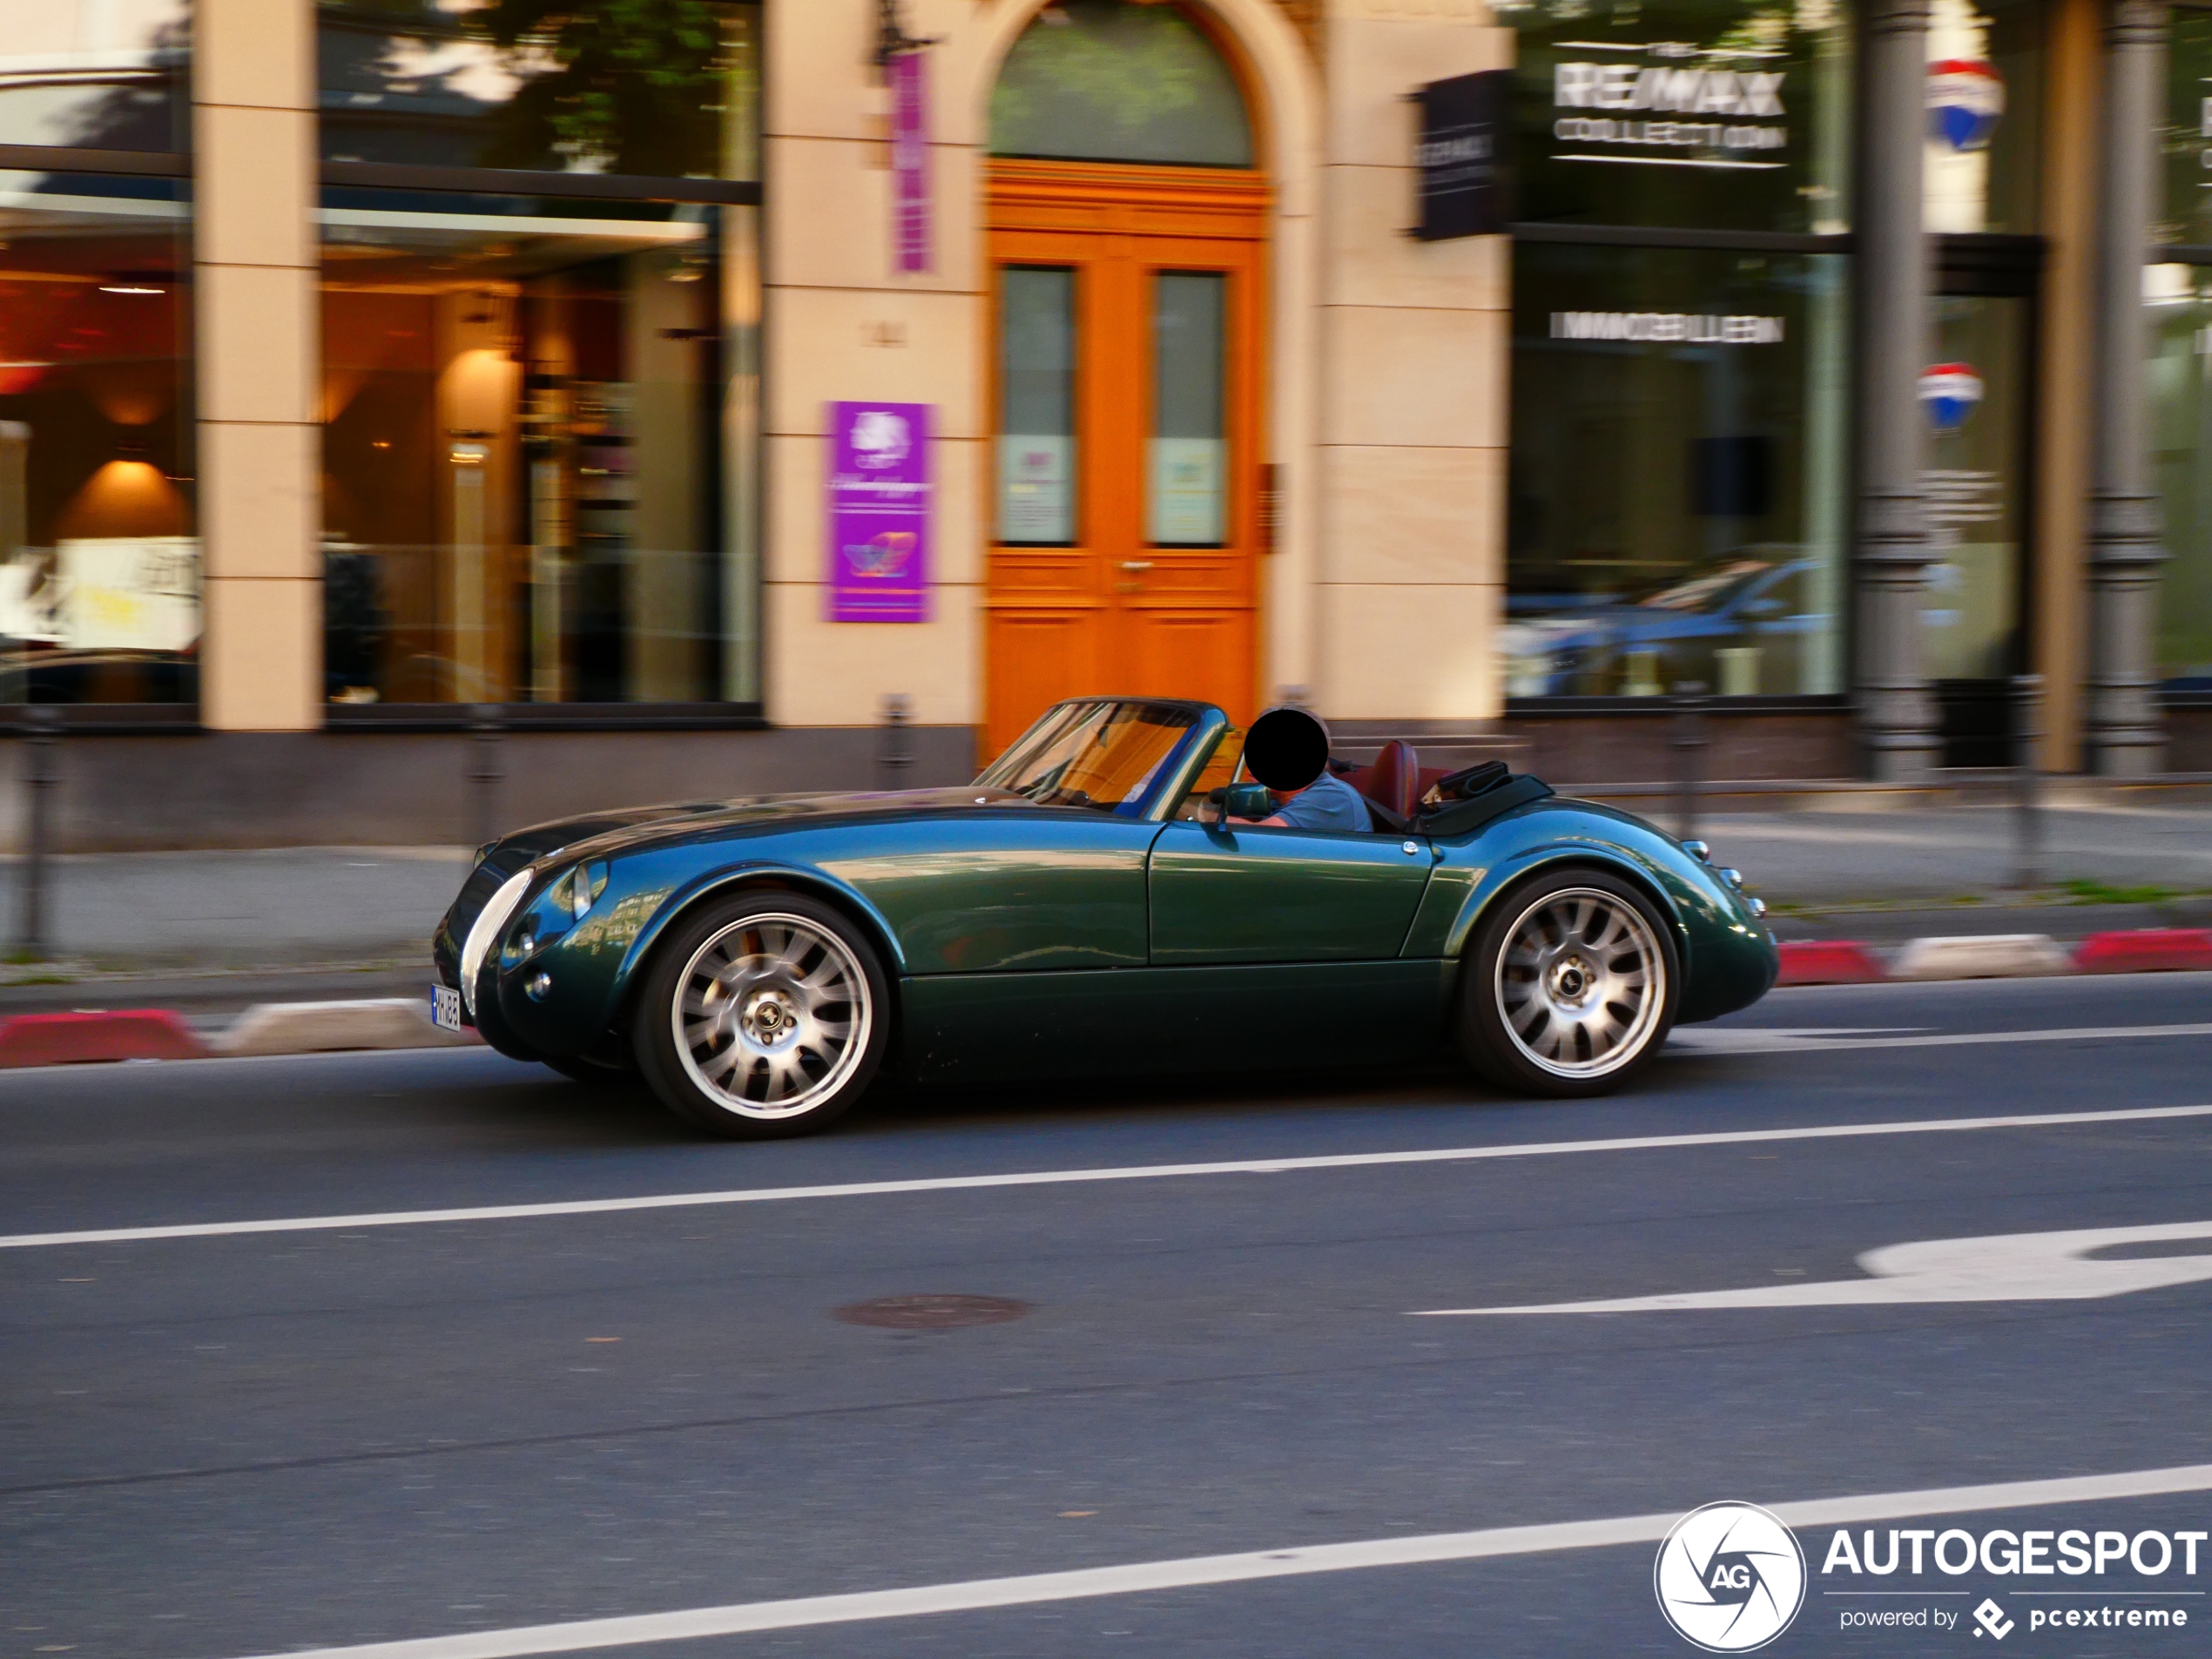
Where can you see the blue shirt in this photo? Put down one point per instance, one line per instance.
(1331, 804)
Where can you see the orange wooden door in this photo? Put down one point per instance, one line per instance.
(1123, 491)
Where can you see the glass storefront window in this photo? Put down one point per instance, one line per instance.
(1710, 113)
(1678, 475)
(2185, 142)
(2180, 298)
(539, 420)
(97, 74)
(1118, 80)
(1980, 171)
(664, 91)
(1976, 397)
(99, 555)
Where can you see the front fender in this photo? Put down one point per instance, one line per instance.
(707, 884)
(595, 967)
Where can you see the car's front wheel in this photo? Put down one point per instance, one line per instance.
(1571, 985)
(764, 1015)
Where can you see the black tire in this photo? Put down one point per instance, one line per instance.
(789, 1017)
(1557, 998)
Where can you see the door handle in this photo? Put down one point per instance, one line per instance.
(1136, 564)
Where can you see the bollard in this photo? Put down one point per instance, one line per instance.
(2027, 826)
(1689, 744)
(894, 748)
(41, 730)
(486, 726)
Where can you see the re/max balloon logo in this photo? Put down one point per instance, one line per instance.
(1965, 98)
(1950, 393)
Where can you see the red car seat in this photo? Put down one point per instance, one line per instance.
(1394, 780)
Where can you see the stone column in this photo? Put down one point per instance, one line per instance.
(1416, 353)
(2124, 736)
(256, 279)
(1890, 559)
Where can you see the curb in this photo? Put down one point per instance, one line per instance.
(1980, 956)
(1828, 962)
(2146, 950)
(125, 1034)
(324, 1028)
(2142, 950)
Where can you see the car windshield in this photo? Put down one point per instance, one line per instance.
(1707, 592)
(1104, 754)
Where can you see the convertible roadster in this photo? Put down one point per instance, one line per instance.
(1097, 901)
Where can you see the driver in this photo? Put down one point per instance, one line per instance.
(1287, 749)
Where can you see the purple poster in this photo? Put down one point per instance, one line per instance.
(910, 161)
(879, 512)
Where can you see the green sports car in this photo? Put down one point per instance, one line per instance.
(1093, 903)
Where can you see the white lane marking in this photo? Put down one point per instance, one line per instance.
(1726, 1039)
(1068, 1177)
(975, 1594)
(1773, 1039)
(2003, 1267)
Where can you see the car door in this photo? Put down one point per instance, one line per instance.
(1242, 894)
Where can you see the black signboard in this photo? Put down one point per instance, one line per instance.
(1463, 155)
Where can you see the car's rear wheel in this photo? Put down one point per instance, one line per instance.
(1571, 985)
(765, 1015)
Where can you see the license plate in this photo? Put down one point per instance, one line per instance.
(445, 1008)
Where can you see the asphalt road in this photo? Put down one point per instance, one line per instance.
(229, 1443)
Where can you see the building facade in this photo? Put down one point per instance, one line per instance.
(678, 387)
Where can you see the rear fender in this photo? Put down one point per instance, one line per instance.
(1649, 879)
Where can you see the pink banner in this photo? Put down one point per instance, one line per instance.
(910, 160)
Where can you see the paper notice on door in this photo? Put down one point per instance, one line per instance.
(1037, 489)
(1184, 503)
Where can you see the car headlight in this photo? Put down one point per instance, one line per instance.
(490, 920)
(573, 895)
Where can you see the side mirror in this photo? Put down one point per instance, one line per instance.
(1243, 800)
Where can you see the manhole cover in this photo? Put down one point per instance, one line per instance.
(932, 1312)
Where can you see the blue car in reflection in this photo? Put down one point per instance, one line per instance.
(1741, 628)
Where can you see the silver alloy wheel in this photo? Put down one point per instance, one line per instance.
(772, 1015)
(1581, 982)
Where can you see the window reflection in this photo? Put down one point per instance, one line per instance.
(97, 74)
(1118, 80)
(2180, 300)
(525, 420)
(1186, 479)
(1036, 441)
(1104, 754)
(667, 90)
(99, 559)
(1677, 473)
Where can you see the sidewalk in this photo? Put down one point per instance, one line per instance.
(214, 932)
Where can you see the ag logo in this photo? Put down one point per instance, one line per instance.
(1730, 1577)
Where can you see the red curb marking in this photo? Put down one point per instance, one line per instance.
(123, 1034)
(1828, 962)
(2145, 950)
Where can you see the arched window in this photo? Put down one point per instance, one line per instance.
(1119, 80)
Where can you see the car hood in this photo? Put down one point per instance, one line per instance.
(611, 834)
(600, 834)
